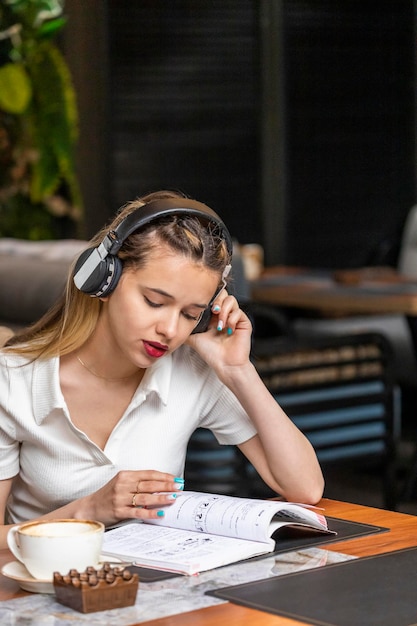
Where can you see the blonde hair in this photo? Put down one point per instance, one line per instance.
(73, 318)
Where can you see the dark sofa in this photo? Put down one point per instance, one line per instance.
(32, 277)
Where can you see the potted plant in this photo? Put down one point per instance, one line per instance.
(39, 190)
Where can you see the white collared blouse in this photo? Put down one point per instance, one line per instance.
(54, 462)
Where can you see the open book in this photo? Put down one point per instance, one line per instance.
(202, 531)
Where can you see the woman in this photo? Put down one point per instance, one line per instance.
(99, 398)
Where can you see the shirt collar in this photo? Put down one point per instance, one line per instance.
(47, 395)
(46, 391)
(157, 379)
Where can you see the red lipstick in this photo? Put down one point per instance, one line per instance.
(155, 349)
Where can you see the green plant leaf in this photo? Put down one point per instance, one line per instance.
(34, 13)
(55, 122)
(15, 88)
(48, 29)
(46, 175)
(19, 217)
(37, 103)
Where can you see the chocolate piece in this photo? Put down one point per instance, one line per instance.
(96, 590)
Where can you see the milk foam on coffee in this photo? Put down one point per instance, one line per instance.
(58, 529)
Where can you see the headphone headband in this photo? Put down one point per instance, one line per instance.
(153, 211)
(98, 269)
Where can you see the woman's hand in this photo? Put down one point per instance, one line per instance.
(139, 494)
(132, 494)
(227, 342)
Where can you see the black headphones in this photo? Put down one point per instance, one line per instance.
(97, 270)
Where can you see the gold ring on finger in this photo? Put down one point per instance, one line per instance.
(134, 500)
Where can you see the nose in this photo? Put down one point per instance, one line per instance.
(167, 325)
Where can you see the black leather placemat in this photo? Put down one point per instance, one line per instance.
(291, 539)
(148, 575)
(288, 541)
(371, 591)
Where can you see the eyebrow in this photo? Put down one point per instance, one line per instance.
(168, 295)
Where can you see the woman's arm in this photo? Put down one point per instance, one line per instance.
(280, 452)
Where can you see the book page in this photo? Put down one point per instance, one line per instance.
(291, 515)
(230, 516)
(177, 550)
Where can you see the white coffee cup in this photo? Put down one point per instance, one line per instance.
(49, 546)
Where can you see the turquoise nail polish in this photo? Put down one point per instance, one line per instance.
(229, 331)
(220, 326)
(178, 480)
(216, 308)
(160, 514)
(172, 496)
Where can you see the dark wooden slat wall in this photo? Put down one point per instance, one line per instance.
(350, 102)
(184, 104)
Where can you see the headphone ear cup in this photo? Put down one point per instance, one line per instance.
(104, 276)
(114, 271)
(203, 324)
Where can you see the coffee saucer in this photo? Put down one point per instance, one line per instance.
(18, 572)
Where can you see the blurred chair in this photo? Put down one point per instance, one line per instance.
(340, 393)
(214, 468)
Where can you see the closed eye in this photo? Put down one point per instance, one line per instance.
(194, 318)
(188, 316)
(154, 305)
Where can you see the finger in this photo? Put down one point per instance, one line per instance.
(146, 475)
(151, 501)
(135, 504)
(152, 486)
(226, 305)
(235, 319)
(229, 316)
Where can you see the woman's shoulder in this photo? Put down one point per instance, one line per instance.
(13, 371)
(19, 364)
(187, 362)
(187, 356)
(8, 359)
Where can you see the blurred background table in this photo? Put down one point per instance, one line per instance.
(351, 292)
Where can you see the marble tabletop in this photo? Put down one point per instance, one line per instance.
(167, 597)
